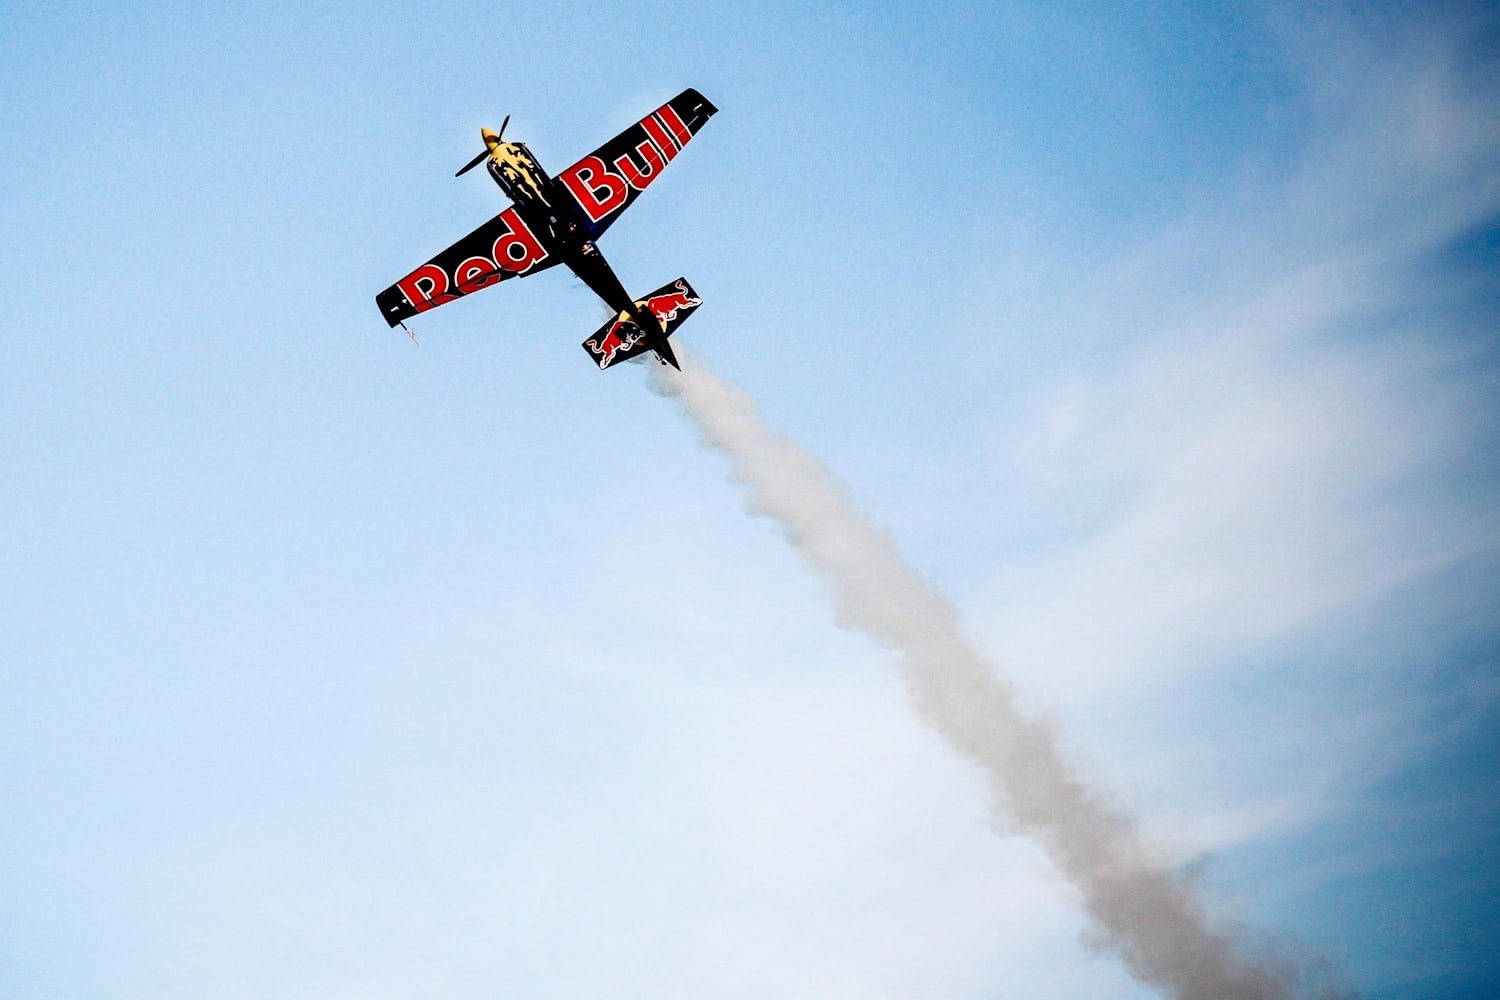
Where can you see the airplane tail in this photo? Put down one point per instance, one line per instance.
(645, 328)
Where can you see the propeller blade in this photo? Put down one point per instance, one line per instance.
(473, 163)
(502, 128)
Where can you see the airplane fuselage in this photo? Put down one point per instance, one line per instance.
(550, 211)
(521, 177)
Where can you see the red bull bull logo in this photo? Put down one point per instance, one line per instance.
(666, 307)
(621, 336)
(646, 326)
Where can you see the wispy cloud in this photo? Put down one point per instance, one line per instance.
(1286, 419)
(1290, 439)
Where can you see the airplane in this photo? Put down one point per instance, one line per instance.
(556, 220)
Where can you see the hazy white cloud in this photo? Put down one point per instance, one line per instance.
(1284, 424)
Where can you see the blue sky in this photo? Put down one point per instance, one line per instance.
(1163, 341)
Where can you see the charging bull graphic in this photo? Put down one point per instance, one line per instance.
(622, 336)
(666, 307)
(630, 333)
(556, 220)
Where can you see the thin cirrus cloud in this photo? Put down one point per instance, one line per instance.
(1295, 443)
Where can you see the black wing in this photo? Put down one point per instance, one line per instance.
(504, 247)
(604, 183)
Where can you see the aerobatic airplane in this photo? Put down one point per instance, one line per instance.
(556, 220)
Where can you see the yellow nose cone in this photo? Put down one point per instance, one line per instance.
(489, 137)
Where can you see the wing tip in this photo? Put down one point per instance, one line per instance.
(700, 104)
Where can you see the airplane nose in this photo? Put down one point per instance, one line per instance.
(489, 137)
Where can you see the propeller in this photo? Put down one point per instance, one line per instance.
(484, 155)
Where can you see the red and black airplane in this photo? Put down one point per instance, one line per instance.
(555, 220)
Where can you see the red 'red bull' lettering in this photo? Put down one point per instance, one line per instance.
(518, 250)
(475, 273)
(515, 251)
(603, 188)
(426, 287)
(654, 162)
(658, 135)
(597, 191)
(674, 122)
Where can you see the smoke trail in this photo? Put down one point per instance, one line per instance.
(1136, 906)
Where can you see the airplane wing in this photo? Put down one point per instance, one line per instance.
(503, 247)
(605, 182)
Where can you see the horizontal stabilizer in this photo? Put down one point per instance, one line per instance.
(623, 337)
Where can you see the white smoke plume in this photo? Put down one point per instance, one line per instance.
(1136, 905)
